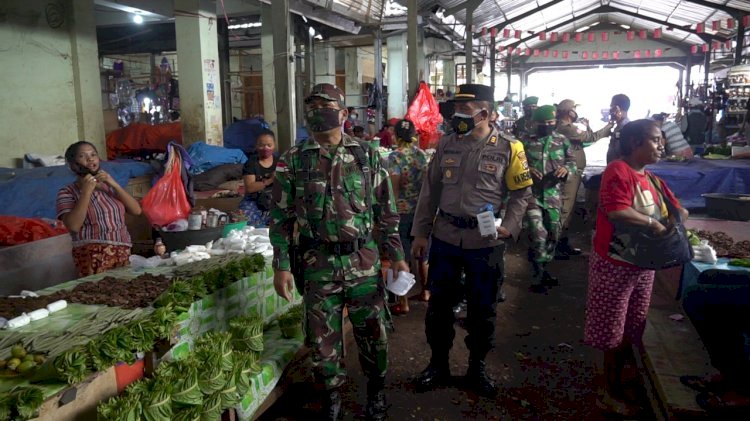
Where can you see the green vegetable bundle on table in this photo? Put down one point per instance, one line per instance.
(21, 403)
(290, 322)
(200, 387)
(247, 333)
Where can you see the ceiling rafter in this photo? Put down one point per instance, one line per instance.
(612, 9)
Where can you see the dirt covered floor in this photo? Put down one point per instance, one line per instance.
(542, 368)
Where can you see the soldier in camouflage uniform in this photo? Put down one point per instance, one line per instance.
(334, 188)
(551, 159)
(525, 126)
(579, 139)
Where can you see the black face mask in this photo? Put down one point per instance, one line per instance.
(322, 119)
(463, 124)
(544, 131)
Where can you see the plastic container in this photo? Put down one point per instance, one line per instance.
(735, 207)
(178, 240)
(233, 226)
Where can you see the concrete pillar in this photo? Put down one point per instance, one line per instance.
(325, 64)
(235, 78)
(397, 76)
(449, 75)
(412, 32)
(86, 83)
(353, 77)
(283, 67)
(200, 84)
(269, 87)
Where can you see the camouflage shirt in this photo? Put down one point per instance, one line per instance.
(329, 204)
(546, 155)
(580, 139)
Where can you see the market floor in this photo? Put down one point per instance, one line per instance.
(543, 370)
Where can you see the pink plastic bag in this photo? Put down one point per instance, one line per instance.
(167, 202)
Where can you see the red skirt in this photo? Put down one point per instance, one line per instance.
(99, 257)
(617, 303)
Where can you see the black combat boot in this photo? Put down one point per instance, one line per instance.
(376, 408)
(565, 250)
(537, 278)
(477, 378)
(331, 405)
(549, 280)
(436, 374)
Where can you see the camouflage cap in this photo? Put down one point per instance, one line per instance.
(328, 92)
(544, 113)
(566, 104)
(530, 100)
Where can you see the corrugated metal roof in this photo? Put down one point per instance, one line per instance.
(676, 18)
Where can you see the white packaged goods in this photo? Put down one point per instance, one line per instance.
(57, 306)
(401, 284)
(19, 321)
(486, 224)
(39, 314)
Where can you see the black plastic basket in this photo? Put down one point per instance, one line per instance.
(735, 207)
(178, 240)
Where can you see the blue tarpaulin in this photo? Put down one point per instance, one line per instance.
(690, 179)
(204, 157)
(31, 192)
(241, 134)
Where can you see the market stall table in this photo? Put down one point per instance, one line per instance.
(212, 312)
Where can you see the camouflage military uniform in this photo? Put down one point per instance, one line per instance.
(326, 197)
(546, 155)
(579, 139)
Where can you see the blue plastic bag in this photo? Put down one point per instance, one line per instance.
(205, 157)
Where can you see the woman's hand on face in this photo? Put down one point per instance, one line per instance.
(88, 184)
(104, 177)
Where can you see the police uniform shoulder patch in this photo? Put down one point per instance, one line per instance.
(508, 137)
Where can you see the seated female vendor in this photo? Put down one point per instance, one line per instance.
(93, 209)
(258, 175)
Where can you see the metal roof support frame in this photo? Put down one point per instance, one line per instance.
(412, 48)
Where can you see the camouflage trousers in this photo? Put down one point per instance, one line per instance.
(544, 228)
(324, 304)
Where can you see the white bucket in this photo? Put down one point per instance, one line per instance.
(401, 284)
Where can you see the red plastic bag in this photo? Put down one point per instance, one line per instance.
(424, 112)
(167, 202)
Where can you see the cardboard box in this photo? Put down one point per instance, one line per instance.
(225, 204)
(79, 402)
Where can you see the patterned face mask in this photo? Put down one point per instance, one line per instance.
(323, 119)
(463, 124)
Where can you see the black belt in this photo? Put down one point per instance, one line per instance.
(339, 248)
(463, 222)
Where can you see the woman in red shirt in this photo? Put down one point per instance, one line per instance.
(619, 292)
(93, 209)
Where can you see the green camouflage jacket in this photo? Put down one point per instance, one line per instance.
(546, 155)
(329, 204)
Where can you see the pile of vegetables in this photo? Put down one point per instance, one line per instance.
(290, 322)
(20, 362)
(212, 378)
(21, 403)
(247, 333)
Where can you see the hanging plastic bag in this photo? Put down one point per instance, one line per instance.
(167, 202)
(424, 112)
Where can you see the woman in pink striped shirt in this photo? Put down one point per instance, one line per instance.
(93, 209)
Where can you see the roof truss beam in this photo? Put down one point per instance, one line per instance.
(724, 8)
